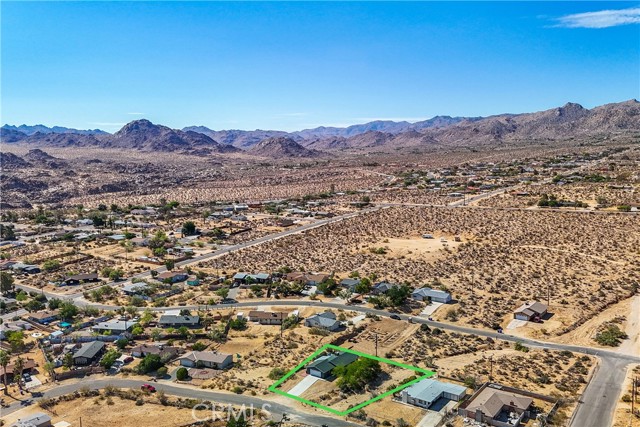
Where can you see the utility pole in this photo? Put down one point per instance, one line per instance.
(548, 295)
(491, 368)
(376, 336)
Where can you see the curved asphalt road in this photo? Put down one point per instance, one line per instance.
(220, 399)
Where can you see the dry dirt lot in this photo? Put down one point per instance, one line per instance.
(584, 262)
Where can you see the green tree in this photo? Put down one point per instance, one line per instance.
(68, 360)
(182, 374)
(7, 232)
(16, 340)
(150, 363)
(51, 265)
(237, 421)
(6, 283)
(223, 292)
(109, 358)
(170, 264)
(189, 228)
(355, 376)
(398, 295)
(68, 310)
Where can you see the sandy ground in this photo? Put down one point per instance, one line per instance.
(97, 413)
(416, 247)
(631, 345)
(391, 334)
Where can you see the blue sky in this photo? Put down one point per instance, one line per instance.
(291, 66)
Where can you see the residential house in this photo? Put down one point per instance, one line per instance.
(28, 366)
(173, 276)
(530, 311)
(382, 288)
(176, 321)
(44, 317)
(326, 320)
(38, 419)
(349, 284)
(80, 278)
(323, 366)
(497, 407)
(89, 353)
(246, 278)
(18, 325)
(433, 295)
(20, 267)
(140, 241)
(8, 304)
(267, 317)
(426, 392)
(206, 359)
(165, 352)
(113, 327)
(308, 279)
(7, 264)
(135, 288)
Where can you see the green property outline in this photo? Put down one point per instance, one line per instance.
(274, 387)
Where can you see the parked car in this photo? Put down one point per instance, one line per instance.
(148, 388)
(128, 359)
(26, 377)
(395, 317)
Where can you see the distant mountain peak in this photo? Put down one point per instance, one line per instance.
(281, 146)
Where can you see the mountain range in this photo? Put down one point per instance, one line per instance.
(562, 123)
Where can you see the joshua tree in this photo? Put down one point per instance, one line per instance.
(4, 361)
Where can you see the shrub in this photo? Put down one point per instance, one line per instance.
(182, 374)
(276, 373)
(610, 335)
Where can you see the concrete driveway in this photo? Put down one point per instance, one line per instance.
(303, 385)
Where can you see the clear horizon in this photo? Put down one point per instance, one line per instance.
(294, 66)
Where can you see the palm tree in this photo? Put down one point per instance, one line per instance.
(4, 361)
(18, 366)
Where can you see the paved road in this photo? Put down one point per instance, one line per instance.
(598, 402)
(220, 399)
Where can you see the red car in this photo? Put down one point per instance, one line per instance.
(148, 388)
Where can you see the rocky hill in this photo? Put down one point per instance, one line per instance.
(146, 136)
(238, 138)
(282, 147)
(9, 161)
